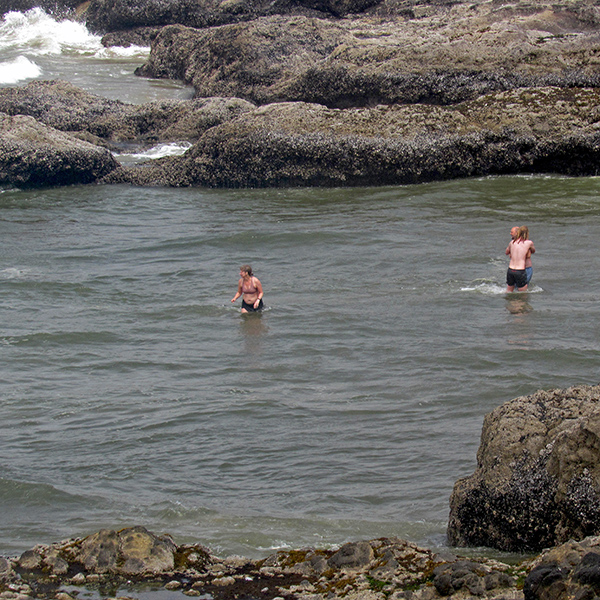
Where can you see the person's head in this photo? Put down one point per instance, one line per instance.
(523, 233)
(514, 232)
(247, 269)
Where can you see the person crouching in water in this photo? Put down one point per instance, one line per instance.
(250, 288)
(518, 249)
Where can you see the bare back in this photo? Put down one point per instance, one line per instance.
(518, 250)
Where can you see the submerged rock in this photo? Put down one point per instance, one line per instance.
(537, 482)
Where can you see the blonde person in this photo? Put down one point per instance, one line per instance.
(518, 249)
(250, 288)
(524, 234)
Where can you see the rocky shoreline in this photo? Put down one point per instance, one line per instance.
(325, 93)
(114, 564)
(536, 489)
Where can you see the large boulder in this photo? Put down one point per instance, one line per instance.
(56, 7)
(448, 57)
(537, 482)
(34, 155)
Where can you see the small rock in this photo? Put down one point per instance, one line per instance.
(223, 581)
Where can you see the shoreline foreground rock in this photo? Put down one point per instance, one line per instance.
(112, 563)
(337, 92)
(537, 481)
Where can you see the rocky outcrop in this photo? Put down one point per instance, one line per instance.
(118, 15)
(537, 482)
(401, 91)
(366, 570)
(63, 106)
(300, 144)
(33, 155)
(56, 7)
(459, 54)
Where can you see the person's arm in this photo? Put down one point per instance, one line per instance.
(531, 248)
(507, 249)
(239, 291)
(259, 289)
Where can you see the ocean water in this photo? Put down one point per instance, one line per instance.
(133, 392)
(34, 46)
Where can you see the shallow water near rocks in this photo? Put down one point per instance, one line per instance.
(134, 392)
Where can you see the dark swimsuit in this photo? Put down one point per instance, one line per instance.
(250, 307)
(516, 277)
(253, 290)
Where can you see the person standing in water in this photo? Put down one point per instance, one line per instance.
(250, 288)
(518, 250)
(524, 233)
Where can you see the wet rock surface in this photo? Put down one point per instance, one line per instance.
(344, 92)
(33, 155)
(365, 570)
(566, 572)
(63, 106)
(299, 144)
(453, 55)
(537, 482)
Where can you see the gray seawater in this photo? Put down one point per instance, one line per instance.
(134, 392)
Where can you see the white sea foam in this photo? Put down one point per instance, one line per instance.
(17, 70)
(123, 52)
(493, 288)
(11, 273)
(37, 33)
(160, 151)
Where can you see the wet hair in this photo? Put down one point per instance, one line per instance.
(246, 269)
(523, 233)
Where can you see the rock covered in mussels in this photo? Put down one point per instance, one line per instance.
(118, 15)
(567, 572)
(300, 144)
(34, 155)
(448, 56)
(537, 482)
(63, 106)
(400, 91)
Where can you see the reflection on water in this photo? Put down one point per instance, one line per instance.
(253, 328)
(518, 304)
